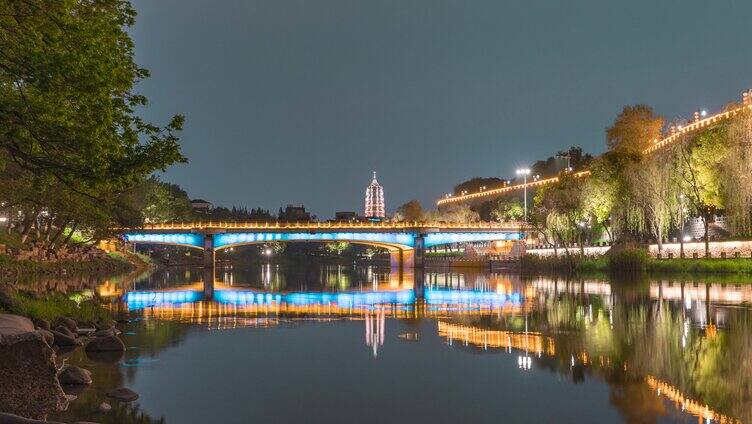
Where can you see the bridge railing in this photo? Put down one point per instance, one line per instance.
(309, 226)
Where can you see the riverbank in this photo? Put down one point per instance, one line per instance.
(12, 269)
(633, 261)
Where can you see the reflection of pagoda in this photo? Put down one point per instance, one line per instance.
(375, 330)
(374, 208)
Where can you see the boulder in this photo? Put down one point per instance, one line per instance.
(13, 325)
(41, 323)
(68, 322)
(106, 344)
(64, 340)
(103, 333)
(7, 298)
(72, 375)
(104, 324)
(47, 336)
(104, 407)
(28, 377)
(86, 331)
(65, 330)
(123, 394)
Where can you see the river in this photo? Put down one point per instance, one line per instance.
(333, 343)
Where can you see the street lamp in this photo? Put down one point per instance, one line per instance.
(524, 172)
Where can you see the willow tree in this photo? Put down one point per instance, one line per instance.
(700, 166)
(560, 211)
(738, 174)
(655, 187)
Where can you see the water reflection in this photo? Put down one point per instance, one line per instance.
(663, 349)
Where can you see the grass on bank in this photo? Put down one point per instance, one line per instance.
(634, 260)
(109, 264)
(51, 306)
(113, 263)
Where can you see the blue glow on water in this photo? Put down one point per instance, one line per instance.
(226, 239)
(441, 297)
(188, 239)
(435, 239)
(138, 300)
(342, 300)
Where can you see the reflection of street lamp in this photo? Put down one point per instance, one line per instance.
(681, 222)
(525, 362)
(524, 172)
(268, 252)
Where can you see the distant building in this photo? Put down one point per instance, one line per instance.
(717, 228)
(345, 216)
(374, 208)
(201, 206)
(294, 213)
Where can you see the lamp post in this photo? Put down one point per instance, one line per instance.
(524, 172)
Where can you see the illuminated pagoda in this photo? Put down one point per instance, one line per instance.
(375, 200)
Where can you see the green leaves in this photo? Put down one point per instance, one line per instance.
(66, 102)
(70, 141)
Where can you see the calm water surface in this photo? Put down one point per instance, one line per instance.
(329, 343)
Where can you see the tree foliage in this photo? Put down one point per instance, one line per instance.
(73, 151)
(410, 211)
(634, 129)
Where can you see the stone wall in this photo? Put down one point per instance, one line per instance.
(589, 251)
(717, 249)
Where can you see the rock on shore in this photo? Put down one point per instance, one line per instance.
(28, 376)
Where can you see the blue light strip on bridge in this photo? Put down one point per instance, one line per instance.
(188, 239)
(226, 239)
(435, 239)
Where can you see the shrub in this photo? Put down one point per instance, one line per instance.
(627, 259)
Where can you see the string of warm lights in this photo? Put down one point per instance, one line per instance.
(687, 405)
(310, 226)
(531, 341)
(677, 132)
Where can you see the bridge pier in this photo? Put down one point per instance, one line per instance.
(209, 267)
(407, 258)
(208, 251)
(419, 252)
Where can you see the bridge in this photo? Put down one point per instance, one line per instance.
(405, 241)
(676, 134)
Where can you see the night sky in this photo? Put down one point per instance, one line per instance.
(297, 101)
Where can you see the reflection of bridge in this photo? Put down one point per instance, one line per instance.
(406, 241)
(694, 407)
(528, 341)
(330, 303)
(677, 134)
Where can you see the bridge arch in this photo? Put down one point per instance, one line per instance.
(192, 240)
